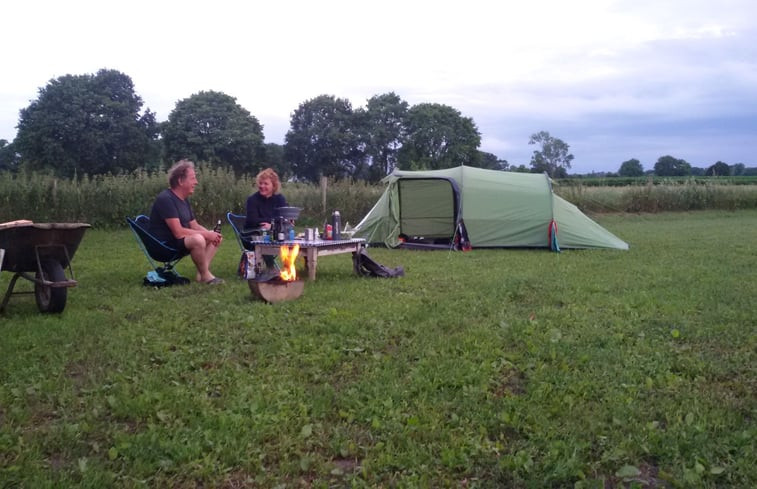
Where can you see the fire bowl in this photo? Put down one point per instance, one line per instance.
(276, 290)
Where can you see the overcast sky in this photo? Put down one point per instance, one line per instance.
(614, 79)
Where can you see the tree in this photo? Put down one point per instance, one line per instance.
(667, 166)
(438, 136)
(274, 158)
(322, 139)
(383, 132)
(8, 156)
(87, 124)
(553, 157)
(491, 161)
(520, 168)
(719, 169)
(211, 127)
(631, 168)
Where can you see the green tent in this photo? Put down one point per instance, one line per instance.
(472, 207)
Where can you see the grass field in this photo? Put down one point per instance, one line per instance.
(492, 368)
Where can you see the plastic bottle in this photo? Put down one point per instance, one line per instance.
(291, 234)
(336, 225)
(217, 228)
(329, 232)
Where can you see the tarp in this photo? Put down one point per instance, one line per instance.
(498, 209)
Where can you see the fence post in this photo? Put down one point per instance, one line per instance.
(324, 185)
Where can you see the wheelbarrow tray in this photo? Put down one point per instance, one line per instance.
(42, 249)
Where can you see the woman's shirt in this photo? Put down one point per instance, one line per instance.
(261, 209)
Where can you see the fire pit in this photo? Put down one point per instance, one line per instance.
(283, 286)
(276, 289)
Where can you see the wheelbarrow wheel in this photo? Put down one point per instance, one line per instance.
(51, 299)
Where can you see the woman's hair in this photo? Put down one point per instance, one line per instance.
(179, 171)
(269, 174)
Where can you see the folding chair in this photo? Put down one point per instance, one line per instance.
(243, 237)
(156, 251)
(237, 225)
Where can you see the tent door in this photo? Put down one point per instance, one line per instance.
(427, 210)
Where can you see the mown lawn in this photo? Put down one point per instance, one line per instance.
(492, 368)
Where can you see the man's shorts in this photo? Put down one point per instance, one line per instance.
(177, 244)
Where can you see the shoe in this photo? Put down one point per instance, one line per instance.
(214, 281)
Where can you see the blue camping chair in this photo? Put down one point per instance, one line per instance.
(245, 236)
(237, 225)
(156, 251)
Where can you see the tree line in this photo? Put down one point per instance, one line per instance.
(668, 166)
(95, 124)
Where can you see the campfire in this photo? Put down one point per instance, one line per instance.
(288, 255)
(284, 286)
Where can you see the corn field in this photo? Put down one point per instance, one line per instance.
(105, 201)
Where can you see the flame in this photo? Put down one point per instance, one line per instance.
(288, 255)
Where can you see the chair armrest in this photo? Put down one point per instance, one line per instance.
(248, 233)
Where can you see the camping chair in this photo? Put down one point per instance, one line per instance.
(156, 251)
(244, 237)
(237, 225)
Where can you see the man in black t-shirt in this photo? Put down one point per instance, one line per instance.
(173, 222)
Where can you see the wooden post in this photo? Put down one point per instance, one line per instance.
(324, 185)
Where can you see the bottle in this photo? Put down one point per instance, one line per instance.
(329, 232)
(217, 229)
(291, 234)
(336, 225)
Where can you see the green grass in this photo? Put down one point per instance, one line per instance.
(492, 368)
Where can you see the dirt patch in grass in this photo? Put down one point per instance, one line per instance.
(512, 382)
(647, 478)
(346, 465)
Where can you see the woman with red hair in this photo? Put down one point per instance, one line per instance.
(262, 205)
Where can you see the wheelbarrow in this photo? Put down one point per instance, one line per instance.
(40, 253)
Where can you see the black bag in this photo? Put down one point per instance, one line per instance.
(365, 266)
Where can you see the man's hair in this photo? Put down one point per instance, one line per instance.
(179, 171)
(269, 174)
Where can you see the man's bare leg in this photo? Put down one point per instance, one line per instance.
(201, 253)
